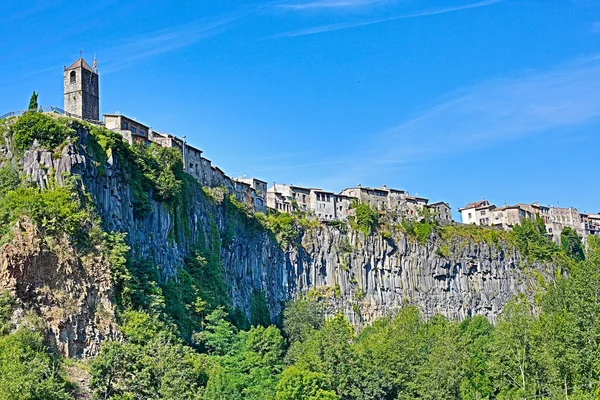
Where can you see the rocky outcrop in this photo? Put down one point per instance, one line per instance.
(363, 276)
(71, 293)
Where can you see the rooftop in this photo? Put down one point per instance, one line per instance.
(80, 63)
(477, 204)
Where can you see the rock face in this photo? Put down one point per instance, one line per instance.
(363, 276)
(72, 295)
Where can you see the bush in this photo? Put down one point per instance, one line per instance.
(419, 230)
(366, 219)
(9, 179)
(27, 371)
(49, 132)
(54, 211)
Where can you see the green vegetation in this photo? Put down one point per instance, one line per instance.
(532, 241)
(259, 310)
(33, 101)
(478, 234)
(365, 220)
(571, 245)
(9, 179)
(151, 171)
(287, 227)
(27, 370)
(48, 131)
(419, 230)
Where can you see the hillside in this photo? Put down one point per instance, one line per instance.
(105, 242)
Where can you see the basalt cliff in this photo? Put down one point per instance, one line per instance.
(363, 276)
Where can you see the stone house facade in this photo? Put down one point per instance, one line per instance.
(322, 204)
(258, 193)
(442, 210)
(590, 224)
(131, 130)
(507, 217)
(477, 213)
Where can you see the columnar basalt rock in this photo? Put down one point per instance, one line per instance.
(365, 277)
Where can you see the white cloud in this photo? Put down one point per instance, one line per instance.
(425, 13)
(138, 48)
(331, 4)
(500, 110)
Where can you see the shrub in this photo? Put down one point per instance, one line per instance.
(49, 132)
(27, 371)
(54, 211)
(366, 219)
(9, 179)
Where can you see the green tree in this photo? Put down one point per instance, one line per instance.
(477, 382)
(6, 307)
(300, 384)
(49, 132)
(301, 318)
(152, 363)
(514, 347)
(33, 102)
(259, 310)
(394, 349)
(532, 240)
(366, 218)
(440, 376)
(218, 335)
(27, 371)
(570, 242)
(9, 178)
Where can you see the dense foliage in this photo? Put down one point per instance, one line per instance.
(48, 131)
(151, 170)
(27, 370)
(365, 219)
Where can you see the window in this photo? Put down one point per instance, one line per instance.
(142, 133)
(482, 212)
(133, 130)
(470, 216)
(125, 125)
(72, 77)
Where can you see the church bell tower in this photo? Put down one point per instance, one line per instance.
(81, 92)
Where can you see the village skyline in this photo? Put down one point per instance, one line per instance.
(264, 90)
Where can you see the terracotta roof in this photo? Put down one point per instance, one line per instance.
(80, 63)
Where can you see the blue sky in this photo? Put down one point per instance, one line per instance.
(454, 100)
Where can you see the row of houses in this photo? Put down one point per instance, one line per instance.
(327, 205)
(324, 205)
(555, 218)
